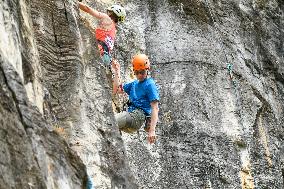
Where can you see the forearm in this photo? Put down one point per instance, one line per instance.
(116, 82)
(89, 10)
(154, 116)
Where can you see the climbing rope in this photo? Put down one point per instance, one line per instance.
(236, 92)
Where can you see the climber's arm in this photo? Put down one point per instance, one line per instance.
(117, 85)
(93, 12)
(154, 120)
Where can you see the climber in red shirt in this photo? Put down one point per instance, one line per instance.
(105, 32)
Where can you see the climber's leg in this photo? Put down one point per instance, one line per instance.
(130, 121)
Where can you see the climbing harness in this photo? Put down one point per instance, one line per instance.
(106, 55)
(147, 121)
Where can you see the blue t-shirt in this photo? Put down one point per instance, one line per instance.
(141, 94)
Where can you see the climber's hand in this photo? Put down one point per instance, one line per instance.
(152, 136)
(115, 66)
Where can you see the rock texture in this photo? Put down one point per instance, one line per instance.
(214, 131)
(32, 155)
(218, 65)
(55, 96)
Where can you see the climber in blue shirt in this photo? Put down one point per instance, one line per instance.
(143, 97)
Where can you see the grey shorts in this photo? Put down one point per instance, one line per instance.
(130, 121)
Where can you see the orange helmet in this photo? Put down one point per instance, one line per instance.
(140, 62)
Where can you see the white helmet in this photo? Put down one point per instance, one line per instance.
(119, 11)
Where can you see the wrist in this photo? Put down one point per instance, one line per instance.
(152, 129)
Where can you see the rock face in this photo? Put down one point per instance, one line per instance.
(218, 68)
(55, 96)
(32, 155)
(216, 130)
